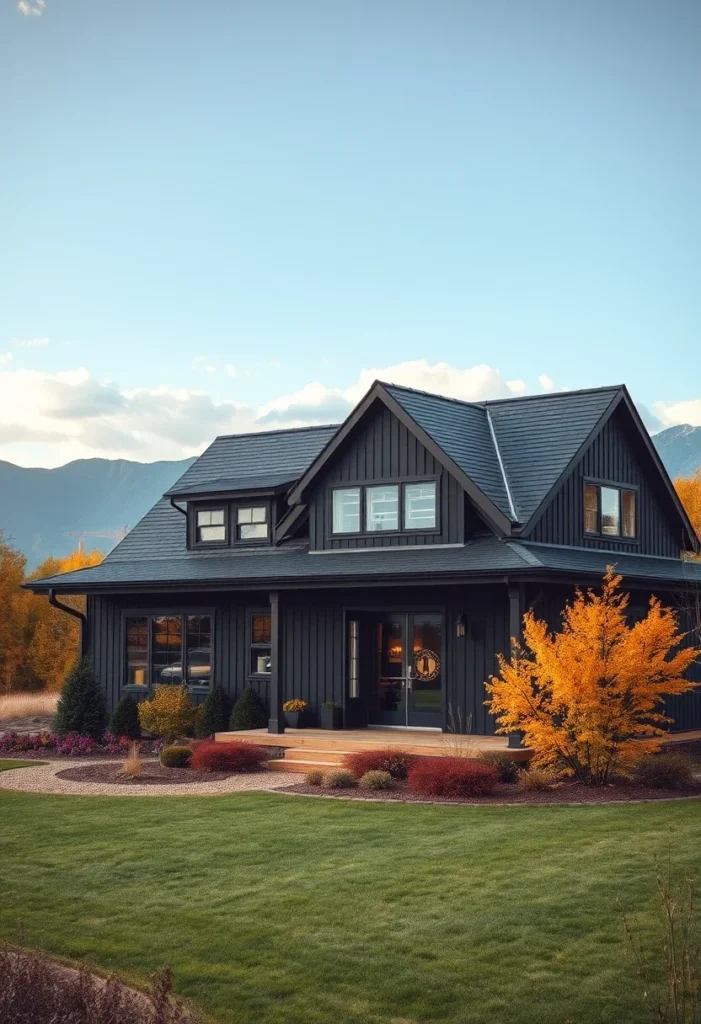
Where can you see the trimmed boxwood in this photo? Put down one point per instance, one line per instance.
(176, 757)
(377, 780)
(249, 712)
(125, 719)
(228, 757)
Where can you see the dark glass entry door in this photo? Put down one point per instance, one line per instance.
(407, 672)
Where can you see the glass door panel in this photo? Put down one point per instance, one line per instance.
(425, 683)
(390, 670)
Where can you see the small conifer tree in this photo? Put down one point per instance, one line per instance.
(81, 707)
(125, 719)
(213, 713)
(249, 712)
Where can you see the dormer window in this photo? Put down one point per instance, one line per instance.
(385, 508)
(609, 511)
(252, 522)
(382, 508)
(211, 526)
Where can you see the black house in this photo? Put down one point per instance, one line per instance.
(384, 563)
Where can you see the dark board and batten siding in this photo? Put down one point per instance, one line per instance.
(612, 458)
(384, 450)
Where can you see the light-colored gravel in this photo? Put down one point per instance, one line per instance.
(43, 779)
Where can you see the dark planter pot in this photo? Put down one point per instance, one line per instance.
(515, 740)
(295, 719)
(356, 714)
(332, 718)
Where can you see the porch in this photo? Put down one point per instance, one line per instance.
(302, 750)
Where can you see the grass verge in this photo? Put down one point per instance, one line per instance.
(276, 910)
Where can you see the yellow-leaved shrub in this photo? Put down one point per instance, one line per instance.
(589, 698)
(169, 713)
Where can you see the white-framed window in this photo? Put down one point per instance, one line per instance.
(346, 510)
(382, 508)
(252, 522)
(420, 506)
(211, 526)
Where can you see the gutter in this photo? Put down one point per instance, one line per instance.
(77, 615)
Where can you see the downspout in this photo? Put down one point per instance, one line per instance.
(173, 505)
(77, 615)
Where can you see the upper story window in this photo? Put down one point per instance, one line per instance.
(211, 526)
(346, 510)
(392, 508)
(252, 522)
(609, 511)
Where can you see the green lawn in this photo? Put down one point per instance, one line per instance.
(272, 909)
(7, 763)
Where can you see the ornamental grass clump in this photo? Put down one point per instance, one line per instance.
(315, 777)
(396, 762)
(665, 771)
(377, 780)
(536, 780)
(169, 713)
(339, 778)
(133, 766)
(176, 757)
(228, 757)
(588, 697)
(456, 777)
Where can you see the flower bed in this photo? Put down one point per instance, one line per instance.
(49, 744)
(153, 774)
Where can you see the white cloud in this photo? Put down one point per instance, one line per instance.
(48, 419)
(672, 414)
(30, 342)
(31, 8)
(203, 364)
(546, 382)
(5, 358)
(230, 370)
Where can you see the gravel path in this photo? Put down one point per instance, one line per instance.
(42, 779)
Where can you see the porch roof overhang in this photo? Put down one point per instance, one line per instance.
(294, 567)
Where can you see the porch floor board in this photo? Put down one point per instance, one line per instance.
(414, 741)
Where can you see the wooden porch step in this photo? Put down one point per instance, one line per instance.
(310, 754)
(299, 767)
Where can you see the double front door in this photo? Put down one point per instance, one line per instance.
(406, 685)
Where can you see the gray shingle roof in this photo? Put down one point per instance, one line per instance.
(263, 481)
(484, 555)
(241, 456)
(461, 429)
(537, 438)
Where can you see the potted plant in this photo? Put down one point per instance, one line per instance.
(331, 715)
(295, 711)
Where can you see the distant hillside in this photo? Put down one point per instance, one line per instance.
(680, 449)
(38, 507)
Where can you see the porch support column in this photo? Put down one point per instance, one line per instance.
(276, 722)
(517, 605)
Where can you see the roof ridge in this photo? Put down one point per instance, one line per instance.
(278, 430)
(484, 402)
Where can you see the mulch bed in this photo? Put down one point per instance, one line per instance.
(154, 774)
(565, 793)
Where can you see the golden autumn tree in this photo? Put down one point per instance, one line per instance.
(14, 625)
(55, 634)
(689, 491)
(589, 698)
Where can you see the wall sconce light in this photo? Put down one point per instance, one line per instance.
(460, 625)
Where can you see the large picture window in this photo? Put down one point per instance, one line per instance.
(609, 511)
(162, 649)
(390, 507)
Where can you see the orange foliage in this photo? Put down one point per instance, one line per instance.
(38, 643)
(588, 698)
(689, 491)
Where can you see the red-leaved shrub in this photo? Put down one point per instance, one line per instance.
(228, 757)
(452, 777)
(396, 762)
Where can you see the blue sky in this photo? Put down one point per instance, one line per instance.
(216, 215)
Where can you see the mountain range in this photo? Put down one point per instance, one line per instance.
(49, 511)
